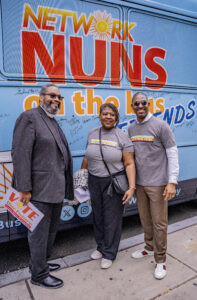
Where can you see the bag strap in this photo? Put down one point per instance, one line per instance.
(102, 153)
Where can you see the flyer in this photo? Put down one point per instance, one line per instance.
(28, 214)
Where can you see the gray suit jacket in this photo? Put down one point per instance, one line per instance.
(38, 160)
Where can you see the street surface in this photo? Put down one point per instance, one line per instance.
(15, 255)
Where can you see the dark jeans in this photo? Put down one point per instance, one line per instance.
(107, 216)
(42, 238)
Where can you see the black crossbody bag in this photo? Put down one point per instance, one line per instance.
(119, 181)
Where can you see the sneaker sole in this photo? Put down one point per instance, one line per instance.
(142, 256)
(159, 278)
(96, 257)
(105, 268)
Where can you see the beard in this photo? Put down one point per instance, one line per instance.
(49, 109)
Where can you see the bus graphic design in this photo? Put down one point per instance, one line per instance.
(97, 53)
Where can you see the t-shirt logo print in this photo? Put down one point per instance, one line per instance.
(104, 142)
(142, 138)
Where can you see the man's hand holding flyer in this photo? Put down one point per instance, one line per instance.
(29, 215)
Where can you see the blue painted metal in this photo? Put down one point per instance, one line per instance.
(162, 42)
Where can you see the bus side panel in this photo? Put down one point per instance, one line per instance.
(96, 53)
(76, 127)
(4, 227)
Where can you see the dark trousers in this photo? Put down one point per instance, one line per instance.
(42, 238)
(107, 216)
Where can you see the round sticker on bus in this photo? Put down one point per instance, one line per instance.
(67, 213)
(84, 210)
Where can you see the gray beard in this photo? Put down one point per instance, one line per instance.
(49, 109)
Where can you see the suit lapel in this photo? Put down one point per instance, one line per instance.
(66, 144)
(51, 127)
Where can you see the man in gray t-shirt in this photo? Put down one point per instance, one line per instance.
(156, 159)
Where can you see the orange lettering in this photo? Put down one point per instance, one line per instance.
(117, 26)
(32, 215)
(82, 21)
(78, 99)
(47, 18)
(12, 199)
(126, 31)
(64, 14)
(91, 99)
(29, 13)
(26, 209)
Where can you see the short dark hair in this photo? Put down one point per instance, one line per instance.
(113, 107)
(45, 87)
(139, 93)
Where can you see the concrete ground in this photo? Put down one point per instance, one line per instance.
(127, 279)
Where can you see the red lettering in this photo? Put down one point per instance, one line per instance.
(134, 73)
(76, 64)
(32, 215)
(12, 199)
(26, 209)
(33, 44)
(156, 68)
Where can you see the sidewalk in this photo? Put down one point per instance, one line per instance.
(127, 279)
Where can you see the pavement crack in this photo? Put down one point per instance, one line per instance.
(29, 290)
(180, 261)
(173, 288)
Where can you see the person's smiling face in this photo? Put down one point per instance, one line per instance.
(51, 100)
(140, 106)
(107, 118)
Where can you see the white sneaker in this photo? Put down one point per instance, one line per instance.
(160, 271)
(141, 253)
(106, 263)
(96, 254)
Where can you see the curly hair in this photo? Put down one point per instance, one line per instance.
(114, 108)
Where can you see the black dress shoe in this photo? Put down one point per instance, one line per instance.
(53, 267)
(50, 282)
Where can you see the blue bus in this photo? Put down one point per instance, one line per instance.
(96, 52)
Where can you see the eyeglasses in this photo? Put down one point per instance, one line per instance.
(144, 103)
(54, 96)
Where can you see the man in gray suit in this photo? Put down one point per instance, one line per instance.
(43, 175)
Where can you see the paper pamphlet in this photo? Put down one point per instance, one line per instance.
(28, 214)
(81, 194)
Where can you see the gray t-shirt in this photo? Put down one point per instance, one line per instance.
(114, 142)
(150, 140)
